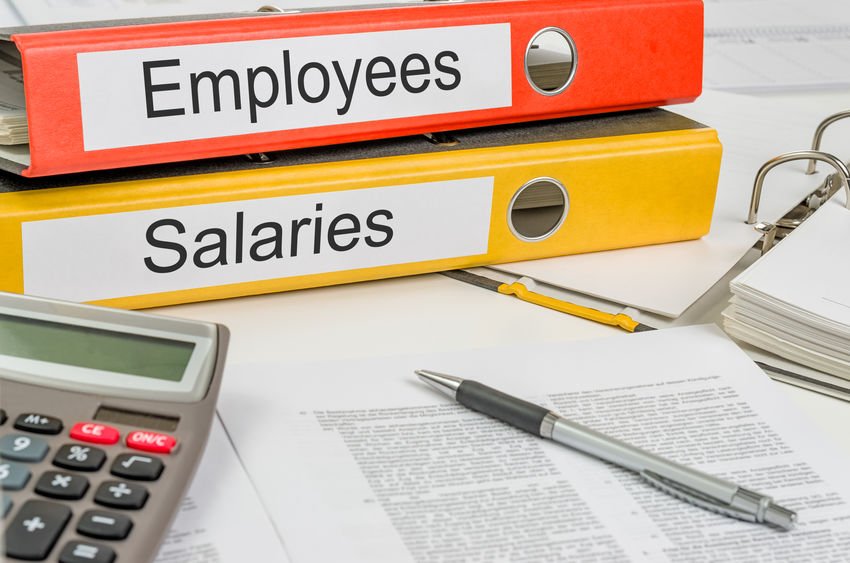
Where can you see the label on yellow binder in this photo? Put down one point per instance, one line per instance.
(172, 249)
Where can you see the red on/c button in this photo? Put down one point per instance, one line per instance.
(95, 433)
(151, 441)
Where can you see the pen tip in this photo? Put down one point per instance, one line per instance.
(447, 384)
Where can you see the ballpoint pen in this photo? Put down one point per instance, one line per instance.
(684, 483)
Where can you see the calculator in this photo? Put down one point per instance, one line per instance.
(105, 414)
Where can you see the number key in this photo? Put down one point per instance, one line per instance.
(23, 448)
(13, 476)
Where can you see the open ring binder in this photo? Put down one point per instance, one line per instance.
(805, 208)
(798, 325)
(819, 135)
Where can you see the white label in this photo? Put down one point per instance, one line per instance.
(146, 96)
(141, 252)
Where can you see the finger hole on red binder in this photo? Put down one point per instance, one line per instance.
(550, 61)
(538, 209)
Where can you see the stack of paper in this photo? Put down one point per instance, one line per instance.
(793, 301)
(13, 114)
(548, 68)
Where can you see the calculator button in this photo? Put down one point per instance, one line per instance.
(34, 530)
(120, 494)
(83, 552)
(104, 525)
(79, 457)
(23, 448)
(5, 505)
(34, 422)
(56, 484)
(140, 467)
(13, 476)
(95, 433)
(151, 441)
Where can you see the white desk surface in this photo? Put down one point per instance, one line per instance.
(430, 313)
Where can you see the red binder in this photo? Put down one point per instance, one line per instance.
(119, 95)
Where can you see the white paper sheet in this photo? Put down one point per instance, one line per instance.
(364, 454)
(806, 274)
(9, 16)
(60, 11)
(221, 519)
(794, 301)
(762, 45)
(666, 279)
(773, 13)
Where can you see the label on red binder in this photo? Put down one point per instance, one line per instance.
(105, 256)
(133, 97)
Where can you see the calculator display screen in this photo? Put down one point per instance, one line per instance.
(94, 348)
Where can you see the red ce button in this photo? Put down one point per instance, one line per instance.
(151, 441)
(95, 433)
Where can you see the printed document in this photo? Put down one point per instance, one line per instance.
(221, 518)
(366, 454)
(768, 45)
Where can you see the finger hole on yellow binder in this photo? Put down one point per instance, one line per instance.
(538, 209)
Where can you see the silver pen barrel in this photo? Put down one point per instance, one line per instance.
(683, 482)
(625, 455)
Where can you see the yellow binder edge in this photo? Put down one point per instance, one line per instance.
(688, 153)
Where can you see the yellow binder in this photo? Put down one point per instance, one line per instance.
(303, 218)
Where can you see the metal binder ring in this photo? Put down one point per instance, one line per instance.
(819, 135)
(843, 175)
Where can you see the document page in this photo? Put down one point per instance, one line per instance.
(816, 292)
(364, 453)
(804, 316)
(221, 519)
(9, 16)
(764, 45)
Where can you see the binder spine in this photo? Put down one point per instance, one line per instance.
(165, 241)
(300, 83)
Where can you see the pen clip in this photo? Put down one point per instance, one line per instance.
(696, 498)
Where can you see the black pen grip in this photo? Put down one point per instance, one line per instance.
(522, 414)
